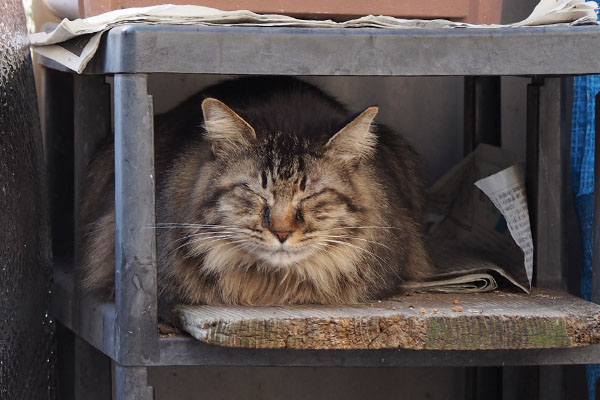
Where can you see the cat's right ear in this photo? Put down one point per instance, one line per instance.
(356, 140)
(228, 133)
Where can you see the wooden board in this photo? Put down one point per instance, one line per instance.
(491, 321)
(473, 11)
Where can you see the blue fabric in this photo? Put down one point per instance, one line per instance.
(582, 142)
(582, 170)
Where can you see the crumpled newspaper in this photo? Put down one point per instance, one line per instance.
(90, 30)
(549, 12)
(477, 226)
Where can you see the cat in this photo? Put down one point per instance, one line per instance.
(270, 192)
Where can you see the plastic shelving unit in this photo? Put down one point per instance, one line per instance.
(126, 331)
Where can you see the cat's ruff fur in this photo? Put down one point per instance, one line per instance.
(270, 192)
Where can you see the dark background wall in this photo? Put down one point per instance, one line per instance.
(26, 352)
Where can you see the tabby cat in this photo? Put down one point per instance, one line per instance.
(268, 192)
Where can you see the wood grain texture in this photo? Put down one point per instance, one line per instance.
(484, 12)
(473, 11)
(491, 321)
(455, 9)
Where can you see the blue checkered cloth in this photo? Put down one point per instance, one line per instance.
(582, 170)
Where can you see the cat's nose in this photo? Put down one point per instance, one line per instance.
(282, 235)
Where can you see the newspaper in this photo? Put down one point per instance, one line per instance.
(477, 226)
(550, 12)
(74, 43)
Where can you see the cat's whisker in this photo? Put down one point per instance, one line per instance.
(197, 252)
(318, 245)
(329, 245)
(206, 241)
(235, 248)
(226, 243)
(361, 227)
(205, 234)
(195, 241)
(319, 248)
(251, 249)
(171, 252)
(354, 247)
(377, 259)
(174, 225)
(163, 224)
(210, 239)
(242, 241)
(357, 238)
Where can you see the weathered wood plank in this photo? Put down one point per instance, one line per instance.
(492, 321)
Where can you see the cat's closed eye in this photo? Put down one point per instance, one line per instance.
(312, 196)
(302, 185)
(266, 217)
(245, 186)
(263, 179)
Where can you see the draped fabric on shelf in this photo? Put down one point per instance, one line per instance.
(582, 169)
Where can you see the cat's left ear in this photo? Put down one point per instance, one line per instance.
(356, 140)
(228, 132)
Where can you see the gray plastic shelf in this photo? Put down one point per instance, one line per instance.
(351, 51)
(127, 330)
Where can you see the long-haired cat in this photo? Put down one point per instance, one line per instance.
(269, 192)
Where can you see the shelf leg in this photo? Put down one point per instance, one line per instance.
(131, 383)
(92, 373)
(91, 123)
(56, 109)
(548, 170)
(92, 120)
(482, 120)
(136, 334)
(482, 124)
(548, 127)
(531, 168)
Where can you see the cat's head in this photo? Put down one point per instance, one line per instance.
(279, 198)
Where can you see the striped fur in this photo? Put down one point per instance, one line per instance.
(270, 192)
